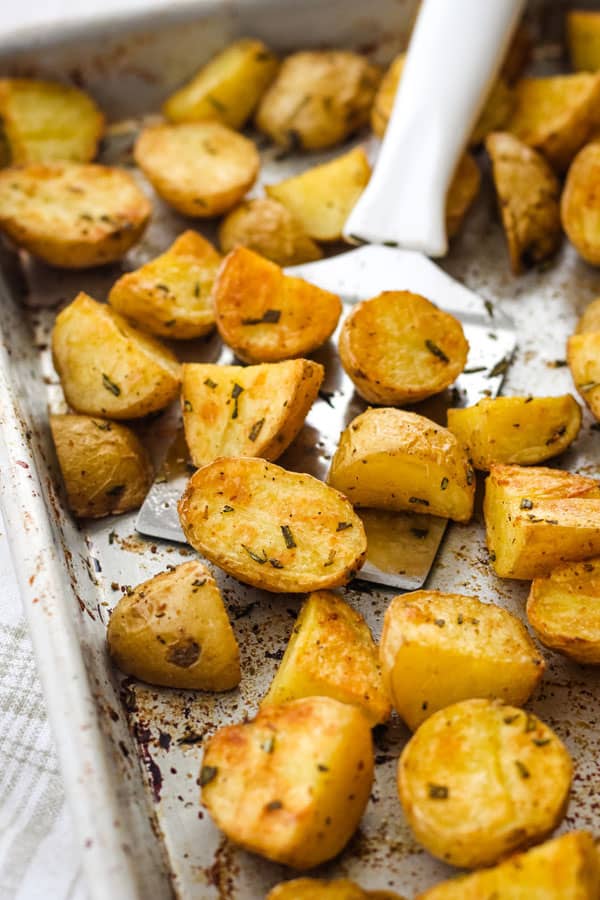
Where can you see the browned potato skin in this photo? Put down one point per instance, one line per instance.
(580, 203)
(173, 631)
(583, 39)
(105, 468)
(267, 227)
(590, 320)
(316, 889)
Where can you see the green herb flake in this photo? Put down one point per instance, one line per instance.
(268, 745)
(444, 484)
(439, 622)
(261, 560)
(489, 308)
(508, 720)
(522, 769)
(197, 289)
(235, 393)
(531, 724)
(210, 383)
(418, 500)
(438, 791)
(111, 537)
(273, 805)
(199, 582)
(420, 533)
(269, 317)
(187, 406)
(541, 742)
(163, 287)
(343, 526)
(220, 107)
(288, 537)
(470, 475)
(437, 351)
(110, 385)
(526, 504)
(277, 564)
(207, 774)
(556, 435)
(330, 559)
(500, 368)
(322, 768)
(459, 619)
(227, 509)
(256, 430)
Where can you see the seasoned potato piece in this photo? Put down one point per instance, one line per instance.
(318, 99)
(590, 320)
(315, 889)
(171, 295)
(266, 316)
(323, 197)
(496, 112)
(479, 780)
(520, 430)
(292, 784)
(463, 189)
(202, 169)
(383, 103)
(173, 630)
(227, 88)
(399, 348)
(107, 367)
(246, 411)
(580, 203)
(583, 39)
(104, 467)
(268, 227)
(71, 215)
(331, 654)
(392, 459)
(583, 355)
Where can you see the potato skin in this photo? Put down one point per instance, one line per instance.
(463, 189)
(583, 39)
(316, 889)
(269, 228)
(580, 203)
(584, 362)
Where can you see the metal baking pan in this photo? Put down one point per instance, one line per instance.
(130, 753)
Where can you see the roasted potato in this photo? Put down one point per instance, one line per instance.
(293, 783)
(518, 54)
(583, 350)
(496, 112)
(331, 654)
(171, 295)
(399, 348)
(583, 39)
(315, 889)
(479, 780)
(246, 410)
(393, 459)
(463, 189)
(266, 316)
(107, 367)
(383, 102)
(269, 228)
(318, 99)
(104, 467)
(173, 630)
(71, 215)
(227, 88)
(590, 319)
(201, 169)
(322, 198)
(580, 203)
(273, 529)
(520, 430)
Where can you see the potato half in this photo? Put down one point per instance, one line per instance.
(316, 889)
(580, 203)
(583, 39)
(269, 228)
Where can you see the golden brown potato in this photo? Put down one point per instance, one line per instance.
(463, 189)
(268, 228)
(496, 112)
(331, 654)
(202, 169)
(583, 39)
(519, 430)
(583, 355)
(71, 215)
(399, 348)
(246, 410)
(518, 54)
(266, 316)
(386, 94)
(580, 203)
(104, 467)
(316, 889)
(590, 320)
(227, 88)
(480, 779)
(318, 99)
(392, 459)
(107, 367)
(173, 630)
(293, 783)
(170, 296)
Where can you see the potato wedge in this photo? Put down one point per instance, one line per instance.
(393, 459)
(71, 215)
(201, 169)
(437, 649)
(331, 654)
(480, 779)
(173, 630)
(316, 889)
(293, 783)
(518, 54)
(583, 39)
(590, 319)
(463, 189)
(266, 316)
(496, 112)
(399, 348)
(383, 102)
(583, 356)
(227, 88)
(580, 203)
(269, 228)
(318, 99)
(107, 367)
(246, 410)
(170, 296)
(322, 198)
(519, 430)
(104, 467)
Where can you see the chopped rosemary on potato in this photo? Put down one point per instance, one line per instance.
(269, 317)
(438, 791)
(235, 393)
(110, 385)
(437, 351)
(256, 430)
(288, 537)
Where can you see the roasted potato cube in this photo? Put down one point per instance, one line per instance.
(246, 410)
(107, 367)
(173, 630)
(201, 169)
(266, 316)
(393, 459)
(273, 529)
(104, 467)
(583, 39)
(520, 430)
(293, 783)
(437, 649)
(399, 348)
(331, 654)
(479, 780)
(71, 215)
(318, 99)
(269, 228)
(227, 88)
(580, 203)
(315, 889)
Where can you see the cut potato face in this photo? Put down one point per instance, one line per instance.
(107, 367)
(583, 39)
(496, 112)
(266, 316)
(583, 356)
(463, 189)
(392, 459)
(315, 889)
(71, 215)
(246, 411)
(399, 348)
(480, 779)
(268, 228)
(292, 784)
(580, 203)
(590, 320)
(173, 630)
(201, 169)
